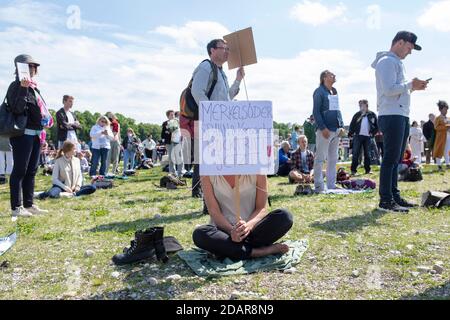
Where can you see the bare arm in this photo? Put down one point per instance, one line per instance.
(261, 200)
(213, 206)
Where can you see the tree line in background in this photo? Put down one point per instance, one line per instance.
(142, 130)
(88, 120)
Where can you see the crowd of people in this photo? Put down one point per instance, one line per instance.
(301, 157)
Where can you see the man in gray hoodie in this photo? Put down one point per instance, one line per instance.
(394, 99)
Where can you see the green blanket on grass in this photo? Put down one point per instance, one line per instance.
(204, 265)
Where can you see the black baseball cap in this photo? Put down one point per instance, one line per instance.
(409, 37)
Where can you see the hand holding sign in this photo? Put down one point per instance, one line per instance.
(240, 74)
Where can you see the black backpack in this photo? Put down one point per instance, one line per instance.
(188, 106)
(413, 175)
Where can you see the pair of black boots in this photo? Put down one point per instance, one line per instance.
(145, 245)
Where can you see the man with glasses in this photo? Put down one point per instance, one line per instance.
(218, 52)
(394, 99)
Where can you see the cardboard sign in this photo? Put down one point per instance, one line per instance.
(242, 49)
(236, 138)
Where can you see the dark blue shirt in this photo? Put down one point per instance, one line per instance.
(326, 118)
(283, 157)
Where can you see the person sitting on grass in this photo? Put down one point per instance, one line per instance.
(302, 163)
(285, 162)
(67, 176)
(84, 162)
(407, 162)
(255, 234)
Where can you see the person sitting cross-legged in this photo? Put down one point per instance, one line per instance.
(302, 163)
(255, 234)
(67, 176)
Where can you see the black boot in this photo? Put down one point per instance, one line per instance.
(158, 243)
(141, 248)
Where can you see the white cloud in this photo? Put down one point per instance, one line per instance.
(315, 13)
(436, 16)
(44, 16)
(194, 34)
(30, 14)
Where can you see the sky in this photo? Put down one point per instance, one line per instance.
(135, 57)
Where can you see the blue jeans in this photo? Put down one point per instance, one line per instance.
(395, 131)
(128, 156)
(358, 143)
(55, 191)
(102, 156)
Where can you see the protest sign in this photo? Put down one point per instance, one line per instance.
(23, 71)
(242, 48)
(236, 138)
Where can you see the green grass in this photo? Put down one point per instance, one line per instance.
(346, 233)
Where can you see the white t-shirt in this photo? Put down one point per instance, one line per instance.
(71, 134)
(364, 127)
(304, 162)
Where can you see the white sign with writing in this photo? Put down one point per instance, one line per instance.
(23, 71)
(236, 138)
(334, 102)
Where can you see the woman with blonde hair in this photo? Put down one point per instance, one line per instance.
(101, 136)
(67, 176)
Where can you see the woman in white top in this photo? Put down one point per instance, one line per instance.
(67, 176)
(257, 231)
(416, 139)
(101, 136)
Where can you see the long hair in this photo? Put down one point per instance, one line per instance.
(66, 148)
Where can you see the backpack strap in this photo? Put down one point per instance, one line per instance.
(215, 75)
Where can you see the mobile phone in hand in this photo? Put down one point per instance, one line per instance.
(428, 80)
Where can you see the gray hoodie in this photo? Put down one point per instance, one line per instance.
(394, 92)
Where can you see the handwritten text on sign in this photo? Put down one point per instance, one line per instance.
(236, 138)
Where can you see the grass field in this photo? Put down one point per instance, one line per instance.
(356, 252)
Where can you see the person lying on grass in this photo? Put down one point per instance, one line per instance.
(251, 237)
(67, 176)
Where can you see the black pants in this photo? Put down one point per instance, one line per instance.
(26, 151)
(272, 228)
(284, 170)
(361, 142)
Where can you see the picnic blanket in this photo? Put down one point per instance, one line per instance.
(204, 265)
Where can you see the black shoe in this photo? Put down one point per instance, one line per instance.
(197, 194)
(392, 206)
(141, 248)
(158, 243)
(405, 204)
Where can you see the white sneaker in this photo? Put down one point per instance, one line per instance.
(21, 212)
(35, 210)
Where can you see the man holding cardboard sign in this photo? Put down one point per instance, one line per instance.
(202, 83)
